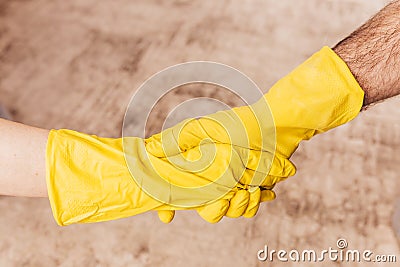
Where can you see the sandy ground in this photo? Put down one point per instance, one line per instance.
(75, 64)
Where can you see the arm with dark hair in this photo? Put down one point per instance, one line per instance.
(372, 53)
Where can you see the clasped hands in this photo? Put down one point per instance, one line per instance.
(249, 147)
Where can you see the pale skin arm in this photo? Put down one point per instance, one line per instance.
(22, 160)
(372, 53)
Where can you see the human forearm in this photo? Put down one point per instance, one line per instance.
(372, 53)
(22, 160)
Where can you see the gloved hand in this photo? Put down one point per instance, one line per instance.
(318, 95)
(88, 179)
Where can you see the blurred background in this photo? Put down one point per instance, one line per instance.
(75, 64)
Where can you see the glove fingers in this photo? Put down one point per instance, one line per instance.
(254, 203)
(267, 195)
(214, 212)
(251, 177)
(166, 216)
(172, 141)
(282, 167)
(238, 204)
(255, 160)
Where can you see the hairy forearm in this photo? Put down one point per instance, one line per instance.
(372, 53)
(22, 160)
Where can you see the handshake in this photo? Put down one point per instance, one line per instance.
(223, 164)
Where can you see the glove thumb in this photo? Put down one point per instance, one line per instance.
(166, 216)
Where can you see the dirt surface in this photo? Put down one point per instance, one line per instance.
(74, 64)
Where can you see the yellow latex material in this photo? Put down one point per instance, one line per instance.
(318, 95)
(88, 179)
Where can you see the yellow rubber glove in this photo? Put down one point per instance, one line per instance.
(318, 95)
(88, 179)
